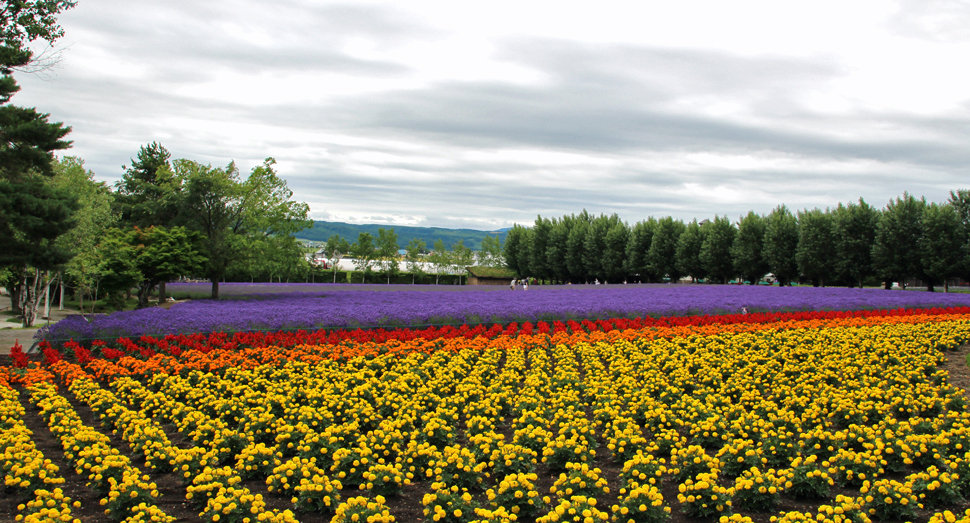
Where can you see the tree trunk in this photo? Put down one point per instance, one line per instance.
(162, 296)
(887, 285)
(215, 289)
(28, 298)
(60, 304)
(15, 292)
(144, 290)
(946, 285)
(47, 301)
(929, 286)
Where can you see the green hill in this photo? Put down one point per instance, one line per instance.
(322, 230)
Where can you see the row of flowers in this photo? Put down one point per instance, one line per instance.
(210, 483)
(222, 351)
(127, 494)
(28, 475)
(405, 306)
(746, 413)
(174, 344)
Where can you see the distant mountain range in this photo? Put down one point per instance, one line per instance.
(322, 230)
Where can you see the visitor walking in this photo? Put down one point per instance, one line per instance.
(512, 285)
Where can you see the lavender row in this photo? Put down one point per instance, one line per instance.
(343, 307)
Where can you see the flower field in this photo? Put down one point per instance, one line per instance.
(795, 416)
(270, 307)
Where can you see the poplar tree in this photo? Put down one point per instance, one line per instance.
(716, 249)
(896, 253)
(662, 255)
(688, 255)
(781, 244)
(747, 252)
(943, 250)
(815, 254)
(854, 227)
(638, 248)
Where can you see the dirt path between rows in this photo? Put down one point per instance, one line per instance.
(956, 367)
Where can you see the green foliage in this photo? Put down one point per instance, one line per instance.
(781, 244)
(149, 191)
(614, 255)
(556, 248)
(515, 258)
(412, 258)
(855, 230)
(637, 248)
(440, 260)
(747, 249)
(575, 244)
(235, 215)
(93, 218)
(538, 265)
(162, 254)
(896, 252)
(363, 251)
(943, 249)
(716, 249)
(604, 248)
(461, 257)
(662, 255)
(688, 254)
(335, 249)
(491, 253)
(33, 214)
(815, 254)
(385, 251)
(117, 265)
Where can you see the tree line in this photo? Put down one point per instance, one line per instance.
(853, 245)
(163, 219)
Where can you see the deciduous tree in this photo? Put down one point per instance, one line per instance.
(232, 214)
(364, 252)
(781, 244)
(387, 254)
(414, 250)
(638, 248)
(662, 254)
(747, 251)
(688, 256)
(716, 249)
(334, 250)
(93, 218)
(896, 253)
(942, 244)
(815, 254)
(162, 254)
(855, 231)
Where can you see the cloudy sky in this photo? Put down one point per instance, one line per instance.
(486, 114)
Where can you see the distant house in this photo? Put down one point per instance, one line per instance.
(489, 276)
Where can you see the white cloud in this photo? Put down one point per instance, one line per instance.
(449, 114)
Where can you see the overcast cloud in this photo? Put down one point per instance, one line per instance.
(453, 115)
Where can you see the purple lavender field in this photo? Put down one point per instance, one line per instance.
(309, 306)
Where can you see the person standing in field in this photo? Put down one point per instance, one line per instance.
(512, 285)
